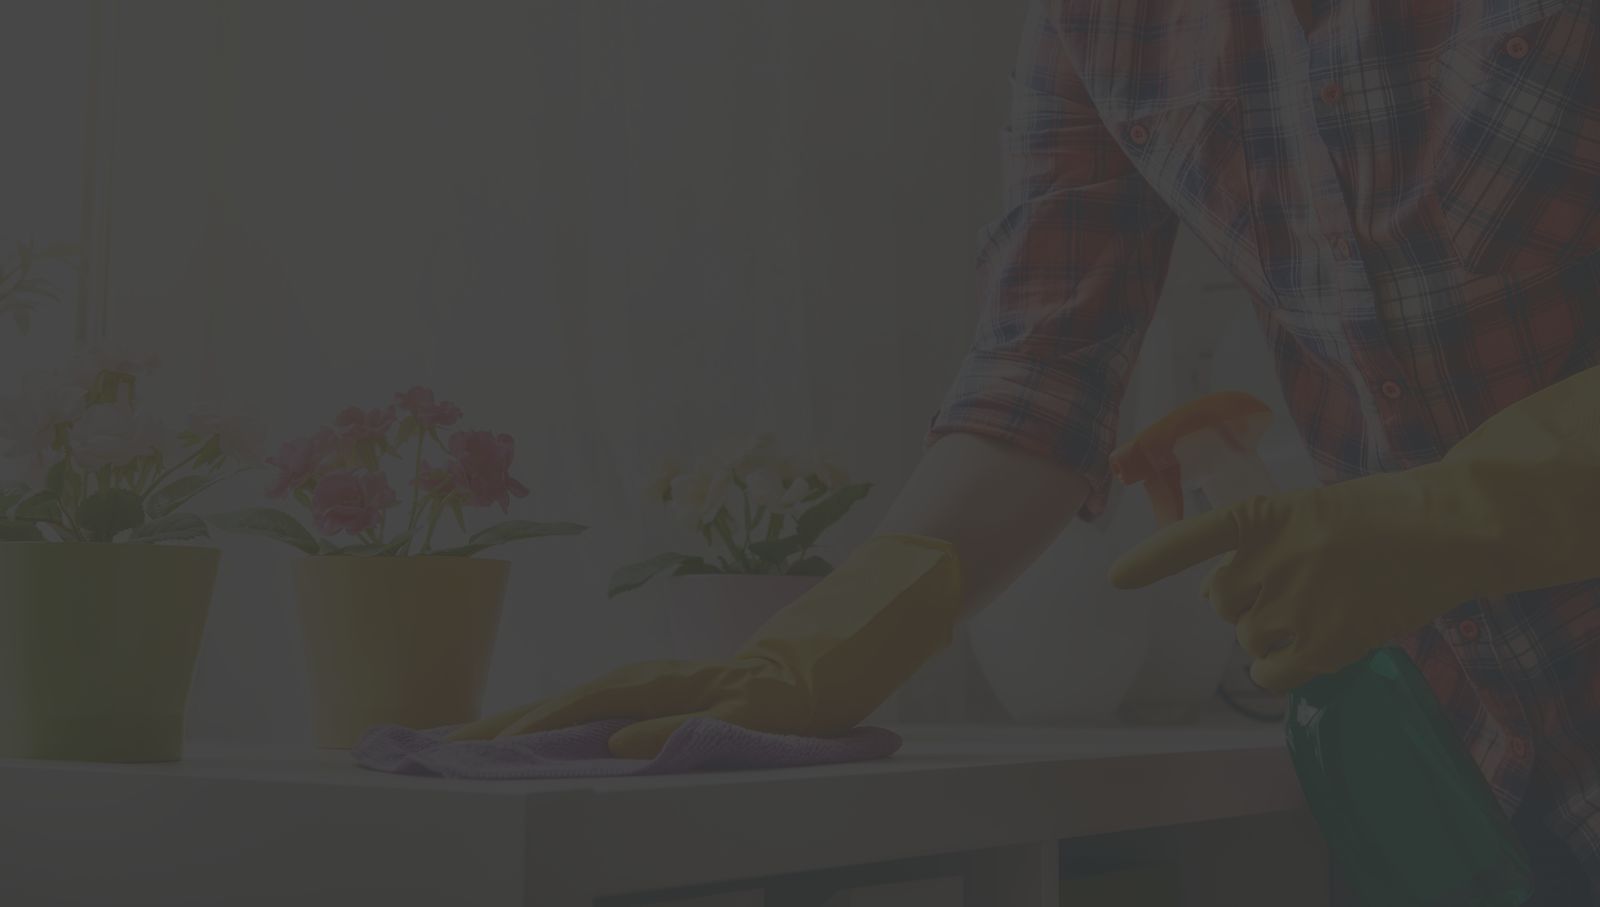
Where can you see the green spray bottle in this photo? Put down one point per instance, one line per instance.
(1406, 812)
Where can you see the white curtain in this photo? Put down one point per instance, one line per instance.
(616, 229)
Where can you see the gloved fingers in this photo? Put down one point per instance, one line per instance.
(1261, 636)
(642, 691)
(1282, 670)
(1232, 589)
(489, 726)
(1176, 548)
(1307, 656)
(644, 739)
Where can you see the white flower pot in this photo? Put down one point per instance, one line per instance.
(712, 616)
(1187, 645)
(397, 640)
(97, 648)
(1061, 646)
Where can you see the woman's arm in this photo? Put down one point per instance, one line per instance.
(999, 506)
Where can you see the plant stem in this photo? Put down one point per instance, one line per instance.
(733, 549)
(168, 474)
(433, 523)
(416, 484)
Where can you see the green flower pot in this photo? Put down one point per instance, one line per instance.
(97, 648)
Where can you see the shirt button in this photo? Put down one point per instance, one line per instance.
(1468, 629)
(1518, 47)
(1332, 93)
(1138, 134)
(1393, 390)
(1520, 748)
(1341, 250)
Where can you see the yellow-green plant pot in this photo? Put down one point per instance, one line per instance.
(396, 640)
(97, 648)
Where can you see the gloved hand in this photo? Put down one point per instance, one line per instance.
(1319, 578)
(817, 668)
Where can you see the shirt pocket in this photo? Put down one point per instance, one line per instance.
(1516, 151)
(1193, 157)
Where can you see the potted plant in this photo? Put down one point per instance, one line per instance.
(399, 625)
(760, 516)
(100, 620)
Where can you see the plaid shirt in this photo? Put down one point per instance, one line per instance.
(1411, 193)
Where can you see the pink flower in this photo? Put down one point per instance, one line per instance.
(365, 425)
(434, 480)
(345, 502)
(420, 404)
(481, 468)
(299, 461)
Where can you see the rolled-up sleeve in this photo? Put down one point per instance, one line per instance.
(1068, 276)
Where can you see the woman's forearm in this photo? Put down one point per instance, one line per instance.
(999, 506)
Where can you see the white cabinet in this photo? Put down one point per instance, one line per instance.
(947, 892)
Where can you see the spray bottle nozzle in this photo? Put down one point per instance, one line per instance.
(1201, 439)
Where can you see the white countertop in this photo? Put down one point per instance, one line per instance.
(282, 825)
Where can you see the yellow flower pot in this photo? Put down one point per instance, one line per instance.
(97, 648)
(396, 640)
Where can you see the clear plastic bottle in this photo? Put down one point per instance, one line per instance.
(1406, 812)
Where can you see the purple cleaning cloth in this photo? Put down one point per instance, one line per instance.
(701, 744)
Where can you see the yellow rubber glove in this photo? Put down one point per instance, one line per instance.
(1320, 578)
(817, 668)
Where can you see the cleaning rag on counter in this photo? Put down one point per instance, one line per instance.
(700, 744)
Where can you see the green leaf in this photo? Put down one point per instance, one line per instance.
(408, 430)
(210, 453)
(692, 566)
(38, 287)
(811, 566)
(509, 531)
(175, 494)
(377, 549)
(11, 494)
(55, 481)
(174, 527)
(455, 511)
(516, 530)
(269, 523)
(43, 507)
(776, 551)
(109, 512)
(19, 531)
(831, 509)
(631, 577)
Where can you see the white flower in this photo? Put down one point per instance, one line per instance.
(114, 434)
(719, 491)
(746, 455)
(110, 356)
(239, 436)
(698, 497)
(832, 476)
(28, 420)
(660, 487)
(765, 487)
(689, 496)
(794, 497)
(768, 488)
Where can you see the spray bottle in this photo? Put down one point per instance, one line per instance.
(1405, 811)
